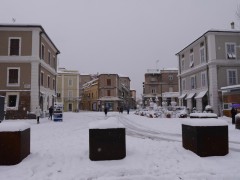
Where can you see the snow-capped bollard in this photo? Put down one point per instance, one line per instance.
(205, 137)
(203, 115)
(107, 140)
(14, 142)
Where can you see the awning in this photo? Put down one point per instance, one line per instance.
(182, 96)
(201, 94)
(190, 95)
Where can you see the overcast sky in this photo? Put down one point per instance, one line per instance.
(121, 36)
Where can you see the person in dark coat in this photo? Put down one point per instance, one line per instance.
(50, 112)
(233, 112)
(38, 113)
(105, 111)
(127, 110)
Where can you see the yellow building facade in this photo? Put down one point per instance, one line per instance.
(68, 89)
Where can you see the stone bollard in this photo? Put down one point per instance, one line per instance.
(107, 140)
(14, 142)
(205, 137)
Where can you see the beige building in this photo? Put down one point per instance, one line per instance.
(205, 66)
(68, 89)
(28, 63)
(160, 86)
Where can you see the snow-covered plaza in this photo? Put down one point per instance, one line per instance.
(60, 151)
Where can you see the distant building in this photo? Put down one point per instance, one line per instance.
(205, 66)
(28, 64)
(133, 100)
(160, 86)
(84, 78)
(68, 89)
(107, 90)
(89, 96)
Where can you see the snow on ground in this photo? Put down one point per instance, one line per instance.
(60, 151)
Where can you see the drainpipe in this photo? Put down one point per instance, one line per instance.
(39, 68)
(180, 78)
(206, 49)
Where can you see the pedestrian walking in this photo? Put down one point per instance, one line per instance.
(38, 113)
(233, 112)
(50, 110)
(105, 111)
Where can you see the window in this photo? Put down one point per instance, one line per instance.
(70, 82)
(182, 64)
(232, 77)
(49, 57)
(203, 79)
(193, 82)
(42, 79)
(154, 91)
(12, 100)
(153, 79)
(183, 84)
(108, 82)
(191, 59)
(13, 76)
(58, 95)
(54, 62)
(14, 46)
(70, 93)
(48, 81)
(108, 93)
(202, 55)
(170, 77)
(231, 50)
(42, 51)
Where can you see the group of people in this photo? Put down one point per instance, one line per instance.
(38, 112)
(120, 110)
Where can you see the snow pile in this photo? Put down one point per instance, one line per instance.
(109, 123)
(153, 152)
(13, 126)
(205, 122)
(209, 115)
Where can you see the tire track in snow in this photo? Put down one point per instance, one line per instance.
(139, 131)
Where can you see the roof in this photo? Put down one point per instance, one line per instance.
(31, 26)
(210, 31)
(66, 71)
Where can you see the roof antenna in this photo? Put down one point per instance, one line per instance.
(13, 20)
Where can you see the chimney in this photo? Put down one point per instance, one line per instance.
(232, 25)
